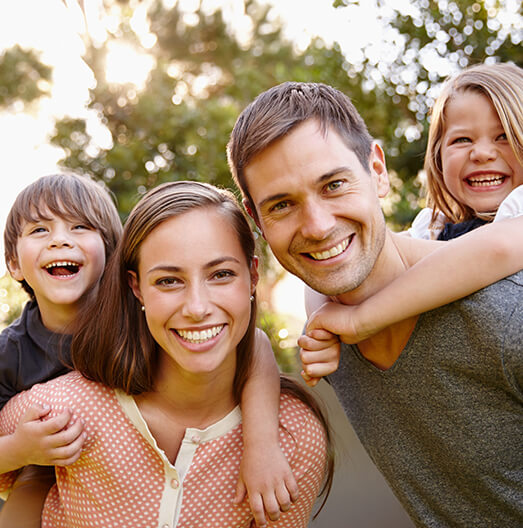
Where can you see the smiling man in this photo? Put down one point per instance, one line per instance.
(435, 400)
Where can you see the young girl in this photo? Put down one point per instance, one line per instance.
(474, 166)
(59, 233)
(161, 374)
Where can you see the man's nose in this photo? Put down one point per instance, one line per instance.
(317, 220)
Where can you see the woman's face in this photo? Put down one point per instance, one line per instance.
(195, 283)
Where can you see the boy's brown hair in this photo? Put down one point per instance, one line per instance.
(68, 196)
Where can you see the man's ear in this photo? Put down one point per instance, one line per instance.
(378, 169)
(14, 269)
(133, 284)
(251, 212)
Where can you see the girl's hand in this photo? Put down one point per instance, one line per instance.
(268, 481)
(319, 354)
(56, 441)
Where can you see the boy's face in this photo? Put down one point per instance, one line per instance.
(319, 208)
(61, 260)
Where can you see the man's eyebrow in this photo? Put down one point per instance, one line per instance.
(321, 179)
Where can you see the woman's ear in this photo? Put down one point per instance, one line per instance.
(134, 285)
(254, 273)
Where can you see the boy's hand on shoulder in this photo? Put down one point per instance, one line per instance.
(319, 354)
(268, 481)
(55, 441)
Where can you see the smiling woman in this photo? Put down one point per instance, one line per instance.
(161, 376)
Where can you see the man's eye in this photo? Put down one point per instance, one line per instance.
(280, 206)
(333, 185)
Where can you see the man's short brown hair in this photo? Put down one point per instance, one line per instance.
(277, 111)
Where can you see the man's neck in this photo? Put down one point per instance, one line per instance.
(398, 254)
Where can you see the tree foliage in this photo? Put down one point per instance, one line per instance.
(203, 76)
(23, 78)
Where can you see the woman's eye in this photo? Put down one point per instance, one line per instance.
(502, 137)
(166, 281)
(223, 274)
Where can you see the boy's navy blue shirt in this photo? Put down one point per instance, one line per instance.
(30, 353)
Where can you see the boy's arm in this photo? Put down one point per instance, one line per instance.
(454, 270)
(264, 472)
(52, 442)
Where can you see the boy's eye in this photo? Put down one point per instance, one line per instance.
(37, 229)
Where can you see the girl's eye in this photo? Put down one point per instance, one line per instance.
(460, 140)
(502, 137)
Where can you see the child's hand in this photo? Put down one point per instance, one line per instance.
(57, 441)
(342, 320)
(319, 354)
(266, 477)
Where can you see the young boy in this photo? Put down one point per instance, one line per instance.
(59, 234)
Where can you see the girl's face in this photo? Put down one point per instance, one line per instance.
(479, 166)
(195, 283)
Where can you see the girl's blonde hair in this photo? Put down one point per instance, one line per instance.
(502, 84)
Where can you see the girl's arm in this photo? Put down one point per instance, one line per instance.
(454, 270)
(264, 472)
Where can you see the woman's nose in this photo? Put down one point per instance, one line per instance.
(196, 305)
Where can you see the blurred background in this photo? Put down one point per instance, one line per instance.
(136, 93)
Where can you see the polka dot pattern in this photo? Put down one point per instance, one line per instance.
(123, 480)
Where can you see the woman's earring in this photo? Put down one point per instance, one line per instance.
(143, 308)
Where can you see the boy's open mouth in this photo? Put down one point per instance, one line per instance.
(62, 268)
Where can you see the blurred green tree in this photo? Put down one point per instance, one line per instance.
(23, 78)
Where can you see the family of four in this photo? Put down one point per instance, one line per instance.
(129, 366)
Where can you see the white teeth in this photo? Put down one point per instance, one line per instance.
(332, 252)
(61, 263)
(195, 336)
(486, 180)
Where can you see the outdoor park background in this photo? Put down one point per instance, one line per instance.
(136, 93)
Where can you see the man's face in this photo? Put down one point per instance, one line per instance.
(318, 207)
